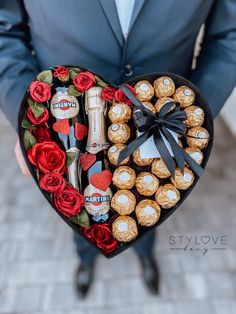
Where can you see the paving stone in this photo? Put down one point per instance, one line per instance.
(28, 299)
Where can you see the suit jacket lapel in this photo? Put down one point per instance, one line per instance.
(137, 9)
(110, 11)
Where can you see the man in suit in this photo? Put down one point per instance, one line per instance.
(36, 34)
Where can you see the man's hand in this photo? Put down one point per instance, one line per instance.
(21, 161)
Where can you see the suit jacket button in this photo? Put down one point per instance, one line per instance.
(128, 70)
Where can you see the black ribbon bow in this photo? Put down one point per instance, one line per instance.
(159, 126)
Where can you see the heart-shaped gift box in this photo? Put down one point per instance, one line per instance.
(114, 161)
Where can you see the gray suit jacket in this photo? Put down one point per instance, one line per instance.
(36, 34)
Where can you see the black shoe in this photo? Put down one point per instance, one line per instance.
(150, 273)
(83, 279)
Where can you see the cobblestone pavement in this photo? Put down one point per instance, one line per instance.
(37, 258)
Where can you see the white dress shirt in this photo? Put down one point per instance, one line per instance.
(125, 9)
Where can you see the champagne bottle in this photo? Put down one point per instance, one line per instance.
(97, 201)
(64, 106)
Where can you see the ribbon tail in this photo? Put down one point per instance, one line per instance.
(164, 152)
(130, 148)
(177, 150)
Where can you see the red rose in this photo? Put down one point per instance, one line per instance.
(36, 121)
(121, 97)
(47, 157)
(108, 93)
(61, 72)
(52, 181)
(68, 201)
(84, 80)
(40, 91)
(102, 236)
(41, 134)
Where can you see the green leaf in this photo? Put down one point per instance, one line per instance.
(45, 76)
(72, 91)
(29, 140)
(70, 157)
(81, 219)
(36, 107)
(26, 124)
(63, 79)
(73, 72)
(100, 82)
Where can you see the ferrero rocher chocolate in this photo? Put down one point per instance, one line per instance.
(149, 106)
(195, 116)
(124, 229)
(146, 183)
(159, 168)
(185, 96)
(123, 202)
(118, 133)
(119, 112)
(124, 177)
(113, 154)
(199, 139)
(167, 196)
(162, 101)
(164, 86)
(195, 153)
(183, 181)
(141, 162)
(144, 90)
(147, 212)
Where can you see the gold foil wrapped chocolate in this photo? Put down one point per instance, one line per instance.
(183, 181)
(144, 90)
(149, 106)
(146, 183)
(199, 139)
(141, 162)
(195, 116)
(124, 177)
(123, 202)
(195, 153)
(185, 96)
(164, 86)
(147, 212)
(159, 168)
(113, 154)
(167, 196)
(118, 133)
(119, 112)
(162, 101)
(124, 229)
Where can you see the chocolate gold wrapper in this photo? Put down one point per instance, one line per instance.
(124, 177)
(149, 106)
(123, 202)
(113, 154)
(146, 184)
(164, 86)
(195, 116)
(147, 212)
(144, 90)
(119, 112)
(141, 162)
(195, 153)
(200, 137)
(119, 133)
(183, 181)
(124, 229)
(185, 96)
(162, 101)
(159, 168)
(167, 196)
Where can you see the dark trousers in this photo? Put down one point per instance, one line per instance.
(87, 252)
